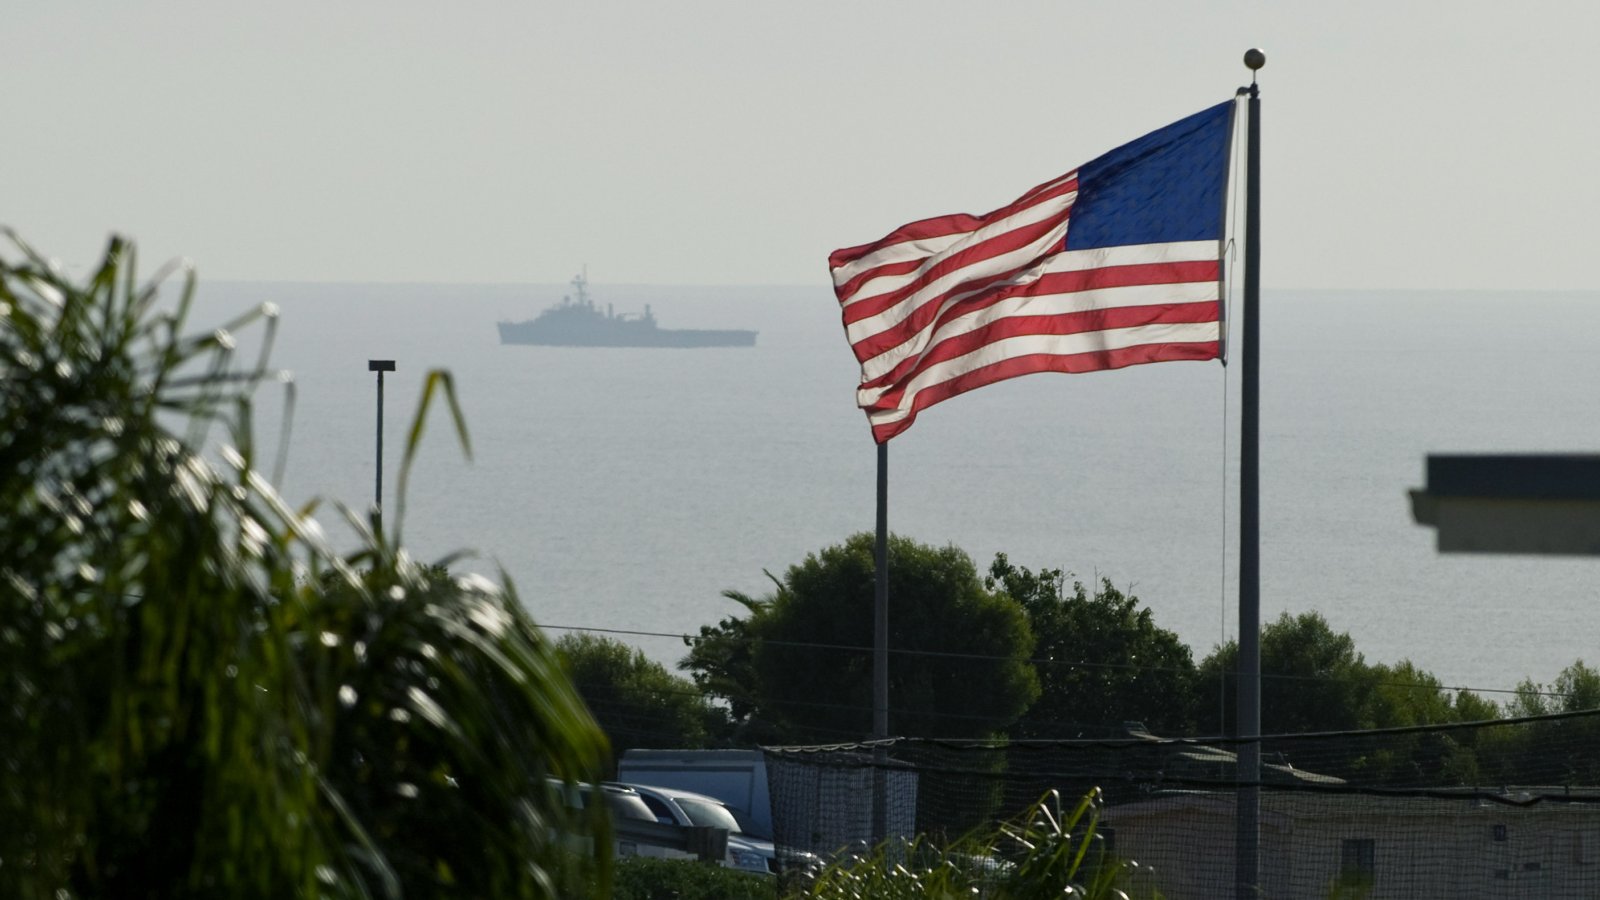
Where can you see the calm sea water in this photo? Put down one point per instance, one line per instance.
(627, 488)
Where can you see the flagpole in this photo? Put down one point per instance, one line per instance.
(880, 652)
(880, 629)
(1248, 727)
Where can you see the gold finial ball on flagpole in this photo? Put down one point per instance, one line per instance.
(1254, 58)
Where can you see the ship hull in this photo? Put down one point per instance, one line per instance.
(530, 333)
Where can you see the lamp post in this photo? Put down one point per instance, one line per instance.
(380, 366)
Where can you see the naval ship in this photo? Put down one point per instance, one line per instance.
(577, 322)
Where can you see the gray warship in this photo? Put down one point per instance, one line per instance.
(577, 322)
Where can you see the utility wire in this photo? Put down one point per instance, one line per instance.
(1082, 664)
(818, 704)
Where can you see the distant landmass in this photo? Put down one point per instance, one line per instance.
(577, 322)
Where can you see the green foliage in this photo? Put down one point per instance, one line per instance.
(1350, 886)
(1046, 852)
(1102, 660)
(452, 713)
(200, 698)
(1560, 751)
(637, 702)
(722, 663)
(644, 878)
(1312, 679)
(918, 868)
(1408, 695)
(803, 667)
(1576, 687)
(1469, 707)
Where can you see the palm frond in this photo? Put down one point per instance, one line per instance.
(201, 698)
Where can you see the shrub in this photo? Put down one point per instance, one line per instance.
(1046, 852)
(199, 698)
(644, 878)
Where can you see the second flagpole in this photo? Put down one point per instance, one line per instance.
(880, 606)
(880, 653)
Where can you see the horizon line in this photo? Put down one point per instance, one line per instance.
(822, 284)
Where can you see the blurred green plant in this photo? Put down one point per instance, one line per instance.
(199, 696)
(649, 878)
(1048, 851)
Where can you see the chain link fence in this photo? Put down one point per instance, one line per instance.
(1508, 808)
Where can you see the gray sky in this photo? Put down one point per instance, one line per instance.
(1408, 145)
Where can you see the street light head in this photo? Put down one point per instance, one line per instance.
(380, 365)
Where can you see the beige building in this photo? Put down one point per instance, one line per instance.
(1402, 847)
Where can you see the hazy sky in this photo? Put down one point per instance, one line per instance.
(1408, 144)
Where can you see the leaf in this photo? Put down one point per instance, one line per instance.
(436, 380)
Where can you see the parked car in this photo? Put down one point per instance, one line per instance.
(837, 811)
(736, 777)
(622, 802)
(636, 828)
(746, 852)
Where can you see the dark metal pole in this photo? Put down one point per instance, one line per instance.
(380, 366)
(1248, 727)
(880, 654)
(880, 628)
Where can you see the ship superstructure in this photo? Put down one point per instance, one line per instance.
(577, 322)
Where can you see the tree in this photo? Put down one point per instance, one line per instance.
(1577, 687)
(798, 666)
(201, 698)
(637, 702)
(1409, 696)
(1558, 751)
(1101, 659)
(1312, 679)
(722, 662)
(1470, 707)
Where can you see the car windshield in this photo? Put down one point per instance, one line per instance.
(713, 814)
(748, 826)
(628, 806)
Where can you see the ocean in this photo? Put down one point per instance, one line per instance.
(626, 489)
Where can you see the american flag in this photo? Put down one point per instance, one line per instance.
(1116, 263)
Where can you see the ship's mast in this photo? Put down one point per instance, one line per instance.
(581, 283)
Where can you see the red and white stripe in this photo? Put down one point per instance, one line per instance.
(945, 305)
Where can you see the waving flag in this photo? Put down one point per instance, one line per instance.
(1116, 263)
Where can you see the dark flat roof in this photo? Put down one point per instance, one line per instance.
(1527, 476)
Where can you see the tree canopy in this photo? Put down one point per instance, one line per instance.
(1101, 659)
(1576, 687)
(637, 702)
(1313, 679)
(797, 667)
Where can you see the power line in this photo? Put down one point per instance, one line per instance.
(634, 712)
(1083, 664)
(779, 701)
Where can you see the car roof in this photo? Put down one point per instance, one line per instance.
(672, 793)
(621, 799)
